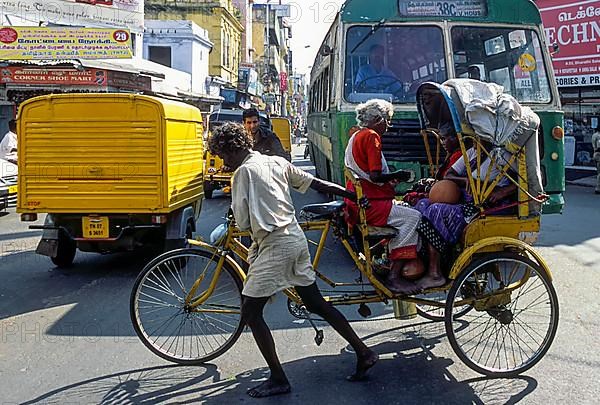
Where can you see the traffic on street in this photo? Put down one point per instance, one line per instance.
(279, 201)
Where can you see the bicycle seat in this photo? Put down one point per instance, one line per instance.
(325, 210)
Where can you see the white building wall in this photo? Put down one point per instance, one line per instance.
(189, 45)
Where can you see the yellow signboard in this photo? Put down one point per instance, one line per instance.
(26, 43)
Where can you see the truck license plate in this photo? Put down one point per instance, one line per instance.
(13, 189)
(95, 227)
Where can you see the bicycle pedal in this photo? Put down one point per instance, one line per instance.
(319, 337)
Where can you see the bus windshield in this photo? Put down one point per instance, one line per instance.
(509, 57)
(390, 62)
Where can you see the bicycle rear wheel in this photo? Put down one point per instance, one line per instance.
(174, 331)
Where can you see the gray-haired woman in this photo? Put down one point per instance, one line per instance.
(364, 157)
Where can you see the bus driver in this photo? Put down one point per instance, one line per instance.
(375, 77)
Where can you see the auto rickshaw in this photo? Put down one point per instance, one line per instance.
(499, 306)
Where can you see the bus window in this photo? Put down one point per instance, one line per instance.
(392, 62)
(512, 58)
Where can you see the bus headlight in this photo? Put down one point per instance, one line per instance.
(558, 133)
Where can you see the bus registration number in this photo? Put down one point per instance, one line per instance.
(95, 227)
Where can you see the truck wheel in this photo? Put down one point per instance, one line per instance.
(65, 252)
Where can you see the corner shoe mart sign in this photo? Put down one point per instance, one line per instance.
(112, 13)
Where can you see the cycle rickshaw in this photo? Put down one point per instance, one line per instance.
(499, 307)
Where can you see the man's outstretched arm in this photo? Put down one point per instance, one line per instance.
(326, 187)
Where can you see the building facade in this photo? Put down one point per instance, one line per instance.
(23, 79)
(273, 57)
(222, 21)
(247, 50)
(572, 30)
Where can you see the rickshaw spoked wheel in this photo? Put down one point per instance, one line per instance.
(514, 317)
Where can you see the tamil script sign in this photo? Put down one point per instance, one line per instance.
(575, 27)
(113, 13)
(98, 78)
(443, 8)
(41, 76)
(26, 43)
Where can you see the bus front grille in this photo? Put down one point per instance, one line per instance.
(403, 142)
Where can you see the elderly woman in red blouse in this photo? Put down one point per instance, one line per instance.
(365, 158)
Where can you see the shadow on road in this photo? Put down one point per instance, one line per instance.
(408, 372)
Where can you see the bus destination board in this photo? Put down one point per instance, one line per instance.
(443, 8)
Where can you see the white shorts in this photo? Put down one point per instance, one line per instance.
(281, 260)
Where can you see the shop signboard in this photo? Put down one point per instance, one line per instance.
(53, 76)
(112, 13)
(283, 82)
(575, 27)
(56, 43)
(248, 80)
(129, 81)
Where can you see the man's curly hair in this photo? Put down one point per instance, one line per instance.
(228, 138)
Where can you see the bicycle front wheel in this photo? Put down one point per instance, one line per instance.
(178, 332)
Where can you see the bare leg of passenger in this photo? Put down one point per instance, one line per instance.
(314, 302)
(397, 284)
(434, 277)
(252, 315)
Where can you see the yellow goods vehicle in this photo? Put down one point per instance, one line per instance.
(114, 172)
(283, 129)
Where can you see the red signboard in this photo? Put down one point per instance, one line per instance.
(575, 27)
(283, 82)
(37, 75)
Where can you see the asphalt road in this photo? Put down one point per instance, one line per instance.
(66, 337)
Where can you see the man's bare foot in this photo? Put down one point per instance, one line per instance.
(430, 282)
(269, 388)
(363, 364)
(399, 286)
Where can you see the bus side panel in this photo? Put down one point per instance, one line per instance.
(552, 160)
(321, 142)
(341, 124)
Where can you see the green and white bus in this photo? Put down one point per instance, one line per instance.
(499, 41)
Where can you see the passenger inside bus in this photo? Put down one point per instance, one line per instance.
(374, 77)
